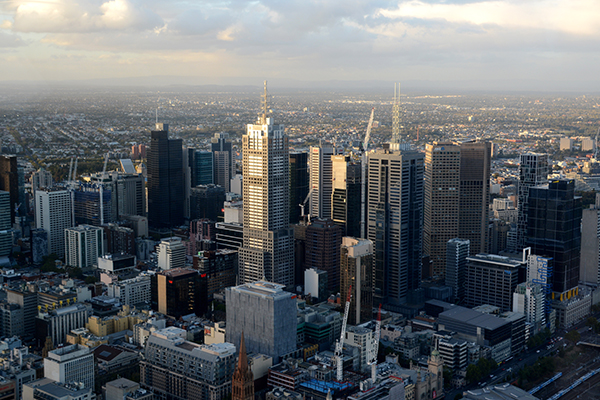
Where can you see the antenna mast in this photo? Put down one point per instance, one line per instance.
(263, 117)
(395, 142)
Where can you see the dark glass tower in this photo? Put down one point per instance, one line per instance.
(553, 230)
(165, 179)
(298, 184)
(9, 181)
(223, 169)
(346, 199)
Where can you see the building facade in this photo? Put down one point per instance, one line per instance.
(299, 184)
(322, 249)
(68, 364)
(83, 244)
(53, 214)
(223, 167)
(346, 195)
(356, 269)
(394, 219)
(268, 240)
(457, 251)
(533, 171)
(321, 179)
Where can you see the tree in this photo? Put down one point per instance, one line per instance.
(90, 279)
(448, 378)
(473, 373)
(573, 336)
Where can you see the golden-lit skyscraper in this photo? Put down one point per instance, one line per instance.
(268, 248)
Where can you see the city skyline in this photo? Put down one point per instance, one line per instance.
(488, 45)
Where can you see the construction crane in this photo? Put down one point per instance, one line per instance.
(363, 195)
(303, 204)
(374, 351)
(339, 346)
(596, 146)
(70, 171)
(102, 190)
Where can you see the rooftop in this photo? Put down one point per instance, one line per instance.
(475, 318)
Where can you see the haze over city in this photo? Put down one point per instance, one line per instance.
(541, 45)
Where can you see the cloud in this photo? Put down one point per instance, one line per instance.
(9, 40)
(60, 16)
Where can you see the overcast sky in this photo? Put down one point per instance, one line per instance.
(509, 41)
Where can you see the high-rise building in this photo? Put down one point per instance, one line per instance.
(356, 270)
(132, 292)
(5, 224)
(69, 364)
(322, 249)
(346, 196)
(83, 245)
(223, 167)
(174, 368)
(298, 184)
(267, 316)
(119, 239)
(9, 181)
(39, 245)
(28, 301)
(492, 279)
(533, 171)
(395, 223)
(58, 323)
(206, 201)
(179, 291)
(473, 214)
(242, 382)
(268, 249)
(171, 253)
(553, 230)
(165, 179)
(529, 299)
(321, 179)
(91, 201)
(220, 266)
(442, 197)
(457, 251)
(54, 214)
(130, 194)
(589, 270)
(41, 179)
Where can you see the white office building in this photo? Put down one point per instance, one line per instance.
(70, 364)
(54, 214)
(171, 253)
(131, 291)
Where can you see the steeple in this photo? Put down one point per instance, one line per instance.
(242, 383)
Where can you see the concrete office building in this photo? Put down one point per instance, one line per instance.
(176, 368)
(165, 179)
(321, 179)
(171, 253)
(28, 301)
(41, 179)
(68, 364)
(48, 389)
(529, 299)
(356, 269)
(39, 245)
(315, 284)
(589, 270)
(346, 195)
(220, 266)
(492, 279)
(132, 291)
(554, 230)
(533, 171)
(223, 166)
(268, 249)
(83, 245)
(59, 323)
(394, 219)
(267, 316)
(322, 249)
(53, 213)
(442, 196)
(457, 251)
(299, 184)
(93, 204)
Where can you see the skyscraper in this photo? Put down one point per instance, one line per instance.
(457, 251)
(179, 291)
(5, 224)
(473, 219)
(268, 250)
(321, 179)
(395, 223)
(345, 205)
(165, 179)
(223, 167)
(83, 245)
(356, 270)
(533, 171)
(298, 184)
(323, 240)
(442, 194)
(53, 213)
(553, 230)
(9, 181)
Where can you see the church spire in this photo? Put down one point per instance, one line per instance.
(242, 383)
